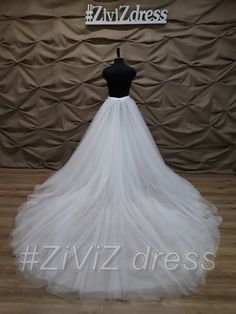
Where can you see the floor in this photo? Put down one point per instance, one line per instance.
(217, 296)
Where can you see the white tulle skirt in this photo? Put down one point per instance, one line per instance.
(115, 221)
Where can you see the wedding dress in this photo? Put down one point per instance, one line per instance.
(94, 221)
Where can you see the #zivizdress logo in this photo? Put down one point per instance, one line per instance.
(99, 15)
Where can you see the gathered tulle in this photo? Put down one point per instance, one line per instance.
(115, 195)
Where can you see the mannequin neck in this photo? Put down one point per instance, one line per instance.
(118, 60)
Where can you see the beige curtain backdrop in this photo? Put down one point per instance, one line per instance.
(51, 85)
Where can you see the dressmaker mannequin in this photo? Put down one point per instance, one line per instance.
(119, 76)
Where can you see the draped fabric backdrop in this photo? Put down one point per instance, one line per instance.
(51, 84)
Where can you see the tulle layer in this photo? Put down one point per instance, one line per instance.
(114, 201)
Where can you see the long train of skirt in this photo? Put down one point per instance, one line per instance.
(115, 221)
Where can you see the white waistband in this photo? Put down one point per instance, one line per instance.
(120, 98)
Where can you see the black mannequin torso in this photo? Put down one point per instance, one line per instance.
(119, 77)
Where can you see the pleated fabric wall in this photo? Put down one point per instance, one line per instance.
(51, 84)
